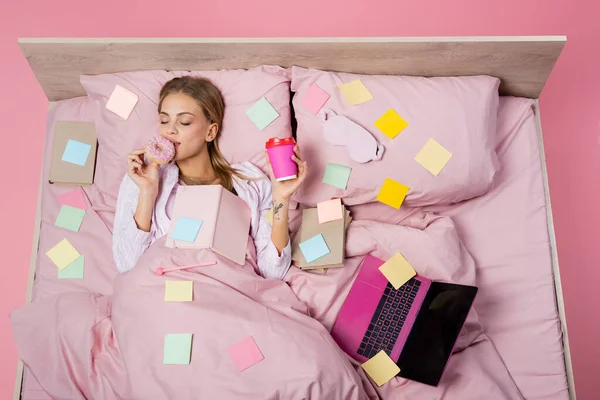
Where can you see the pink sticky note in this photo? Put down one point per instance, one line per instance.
(245, 353)
(122, 102)
(330, 210)
(315, 98)
(74, 198)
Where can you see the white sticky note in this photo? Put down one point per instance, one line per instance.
(122, 102)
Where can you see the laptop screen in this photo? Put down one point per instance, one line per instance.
(431, 340)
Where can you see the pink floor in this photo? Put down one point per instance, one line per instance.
(569, 107)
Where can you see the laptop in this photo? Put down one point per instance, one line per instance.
(416, 325)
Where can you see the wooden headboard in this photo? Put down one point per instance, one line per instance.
(522, 63)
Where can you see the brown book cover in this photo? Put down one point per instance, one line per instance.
(347, 221)
(333, 232)
(67, 172)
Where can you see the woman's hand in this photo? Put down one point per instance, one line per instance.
(284, 190)
(145, 176)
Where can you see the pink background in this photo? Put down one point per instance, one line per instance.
(569, 104)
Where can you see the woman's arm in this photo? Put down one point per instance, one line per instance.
(129, 240)
(146, 177)
(144, 210)
(280, 233)
(282, 193)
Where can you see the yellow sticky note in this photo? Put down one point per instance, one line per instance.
(355, 92)
(63, 254)
(392, 193)
(433, 157)
(391, 123)
(179, 290)
(397, 270)
(269, 216)
(381, 368)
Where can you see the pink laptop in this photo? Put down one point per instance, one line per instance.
(225, 220)
(416, 325)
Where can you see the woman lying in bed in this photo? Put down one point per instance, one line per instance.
(191, 114)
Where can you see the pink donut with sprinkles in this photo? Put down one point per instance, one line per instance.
(160, 150)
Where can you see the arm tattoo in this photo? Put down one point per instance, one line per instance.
(276, 208)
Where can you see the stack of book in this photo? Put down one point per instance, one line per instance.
(334, 233)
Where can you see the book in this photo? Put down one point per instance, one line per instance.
(73, 158)
(333, 232)
(218, 220)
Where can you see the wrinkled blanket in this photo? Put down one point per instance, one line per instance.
(111, 347)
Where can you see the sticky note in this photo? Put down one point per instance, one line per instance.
(73, 198)
(73, 270)
(122, 102)
(391, 123)
(262, 113)
(397, 270)
(392, 193)
(179, 290)
(337, 175)
(314, 248)
(269, 216)
(355, 92)
(329, 210)
(76, 152)
(186, 229)
(178, 348)
(63, 254)
(381, 368)
(245, 353)
(433, 157)
(70, 218)
(315, 99)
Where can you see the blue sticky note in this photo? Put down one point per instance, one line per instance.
(262, 113)
(178, 348)
(186, 229)
(73, 270)
(314, 248)
(70, 218)
(76, 152)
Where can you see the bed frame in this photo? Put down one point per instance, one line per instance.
(522, 63)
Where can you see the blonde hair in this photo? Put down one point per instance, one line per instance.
(210, 100)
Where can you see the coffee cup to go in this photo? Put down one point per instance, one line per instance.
(280, 153)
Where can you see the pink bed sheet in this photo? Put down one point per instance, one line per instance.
(93, 239)
(505, 231)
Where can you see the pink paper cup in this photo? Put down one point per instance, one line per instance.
(280, 154)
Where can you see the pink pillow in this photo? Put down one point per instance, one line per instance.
(240, 139)
(459, 113)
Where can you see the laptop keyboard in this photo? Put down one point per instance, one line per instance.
(388, 319)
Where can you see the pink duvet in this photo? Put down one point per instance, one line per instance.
(112, 346)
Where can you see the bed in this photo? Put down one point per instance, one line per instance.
(520, 302)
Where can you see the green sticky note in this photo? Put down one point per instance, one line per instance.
(178, 348)
(262, 113)
(70, 218)
(73, 270)
(337, 175)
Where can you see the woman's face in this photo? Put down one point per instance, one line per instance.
(182, 121)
